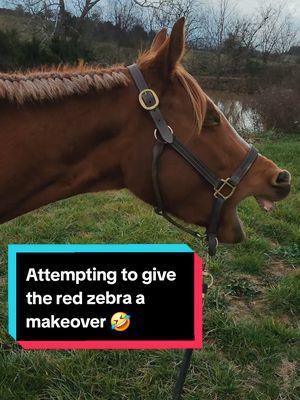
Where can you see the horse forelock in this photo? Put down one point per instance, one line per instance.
(38, 86)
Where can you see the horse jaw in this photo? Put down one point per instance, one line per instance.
(231, 227)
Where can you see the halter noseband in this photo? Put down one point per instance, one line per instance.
(223, 188)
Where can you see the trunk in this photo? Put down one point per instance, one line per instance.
(60, 26)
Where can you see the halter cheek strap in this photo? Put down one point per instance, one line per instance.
(223, 188)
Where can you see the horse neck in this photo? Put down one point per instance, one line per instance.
(52, 151)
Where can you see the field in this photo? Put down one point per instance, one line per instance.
(251, 318)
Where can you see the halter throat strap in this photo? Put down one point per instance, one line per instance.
(223, 188)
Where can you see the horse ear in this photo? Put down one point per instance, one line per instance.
(177, 43)
(159, 40)
(172, 50)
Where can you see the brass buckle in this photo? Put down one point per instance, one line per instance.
(218, 192)
(142, 102)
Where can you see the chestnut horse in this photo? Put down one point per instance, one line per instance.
(70, 131)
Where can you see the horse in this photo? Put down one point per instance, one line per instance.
(74, 130)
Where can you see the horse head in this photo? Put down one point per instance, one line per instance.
(205, 131)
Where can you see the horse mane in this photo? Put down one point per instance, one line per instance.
(56, 83)
(197, 97)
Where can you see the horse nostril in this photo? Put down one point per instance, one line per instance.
(283, 177)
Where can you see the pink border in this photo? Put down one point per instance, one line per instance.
(137, 344)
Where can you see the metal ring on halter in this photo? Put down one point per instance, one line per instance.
(209, 285)
(213, 243)
(155, 134)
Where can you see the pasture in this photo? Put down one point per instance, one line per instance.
(252, 337)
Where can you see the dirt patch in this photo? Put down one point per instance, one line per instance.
(287, 372)
(242, 308)
(256, 304)
(250, 299)
(278, 269)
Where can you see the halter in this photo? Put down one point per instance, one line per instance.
(223, 188)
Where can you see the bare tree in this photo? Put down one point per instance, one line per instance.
(234, 38)
(247, 28)
(56, 11)
(278, 34)
(217, 20)
(170, 11)
(269, 30)
(216, 24)
(154, 4)
(123, 14)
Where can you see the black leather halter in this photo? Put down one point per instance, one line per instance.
(223, 188)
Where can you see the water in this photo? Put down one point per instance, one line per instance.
(239, 110)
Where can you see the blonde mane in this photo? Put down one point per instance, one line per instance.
(37, 86)
(195, 93)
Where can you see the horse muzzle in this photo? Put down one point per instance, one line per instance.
(282, 184)
(280, 188)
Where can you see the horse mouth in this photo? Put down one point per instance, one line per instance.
(231, 227)
(265, 204)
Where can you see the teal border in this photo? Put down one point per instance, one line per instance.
(13, 249)
(99, 248)
(12, 291)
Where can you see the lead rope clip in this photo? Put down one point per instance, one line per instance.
(209, 281)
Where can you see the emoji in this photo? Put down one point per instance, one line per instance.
(120, 321)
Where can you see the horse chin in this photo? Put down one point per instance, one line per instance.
(231, 228)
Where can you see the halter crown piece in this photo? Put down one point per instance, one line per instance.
(223, 188)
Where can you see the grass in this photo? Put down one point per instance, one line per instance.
(285, 297)
(251, 320)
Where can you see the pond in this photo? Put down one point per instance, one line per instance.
(239, 110)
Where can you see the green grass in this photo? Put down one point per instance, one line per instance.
(251, 320)
(285, 297)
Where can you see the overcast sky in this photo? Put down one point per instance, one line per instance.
(245, 6)
(250, 5)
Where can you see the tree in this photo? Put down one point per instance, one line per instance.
(170, 11)
(218, 27)
(216, 24)
(151, 3)
(59, 13)
(123, 14)
(235, 38)
(278, 34)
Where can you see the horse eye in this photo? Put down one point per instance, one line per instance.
(212, 118)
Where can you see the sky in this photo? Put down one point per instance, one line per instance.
(248, 6)
(245, 6)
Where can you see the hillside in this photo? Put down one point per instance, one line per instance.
(11, 20)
